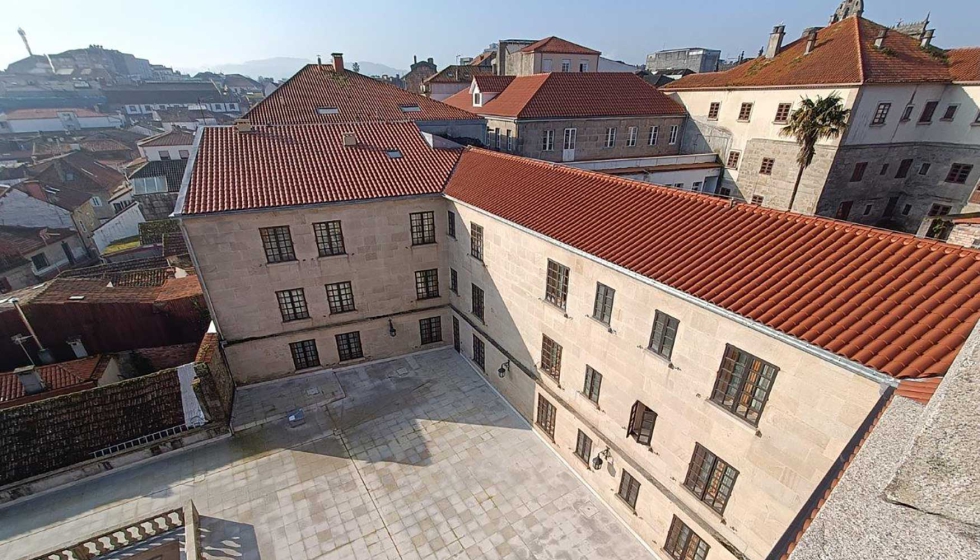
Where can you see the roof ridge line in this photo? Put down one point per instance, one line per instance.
(860, 49)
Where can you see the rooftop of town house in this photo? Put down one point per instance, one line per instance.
(172, 170)
(964, 64)
(571, 95)
(310, 164)
(889, 301)
(29, 114)
(175, 137)
(134, 286)
(181, 92)
(844, 54)
(319, 94)
(58, 379)
(17, 240)
(457, 73)
(557, 45)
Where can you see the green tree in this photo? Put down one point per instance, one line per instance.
(357, 68)
(823, 119)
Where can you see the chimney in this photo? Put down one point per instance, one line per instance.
(811, 41)
(350, 139)
(775, 41)
(927, 38)
(319, 61)
(415, 60)
(338, 61)
(32, 382)
(243, 125)
(880, 39)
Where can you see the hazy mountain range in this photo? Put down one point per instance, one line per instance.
(284, 67)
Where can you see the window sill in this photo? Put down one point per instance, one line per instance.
(590, 401)
(332, 313)
(743, 121)
(333, 256)
(544, 374)
(544, 432)
(558, 308)
(282, 262)
(606, 326)
(877, 125)
(784, 123)
(298, 320)
(625, 503)
(920, 123)
(660, 357)
(352, 361)
(424, 244)
(739, 420)
(437, 296)
(704, 506)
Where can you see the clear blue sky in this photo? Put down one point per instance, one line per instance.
(197, 34)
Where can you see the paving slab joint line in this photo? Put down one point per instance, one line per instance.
(554, 451)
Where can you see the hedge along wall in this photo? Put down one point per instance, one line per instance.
(42, 436)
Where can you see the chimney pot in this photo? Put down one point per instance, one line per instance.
(338, 61)
(29, 378)
(880, 39)
(775, 41)
(811, 41)
(350, 139)
(927, 38)
(243, 125)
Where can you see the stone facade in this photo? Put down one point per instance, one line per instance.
(777, 188)
(380, 262)
(156, 206)
(590, 141)
(918, 191)
(814, 408)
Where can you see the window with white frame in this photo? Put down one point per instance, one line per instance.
(673, 135)
(566, 65)
(548, 141)
(570, 134)
(149, 185)
(631, 141)
(654, 135)
(583, 66)
(477, 99)
(610, 137)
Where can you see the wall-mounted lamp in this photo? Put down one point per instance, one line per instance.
(391, 329)
(503, 369)
(597, 461)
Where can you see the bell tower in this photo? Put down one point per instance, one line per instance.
(847, 9)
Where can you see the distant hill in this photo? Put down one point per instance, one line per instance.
(284, 67)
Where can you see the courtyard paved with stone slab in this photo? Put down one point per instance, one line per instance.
(415, 458)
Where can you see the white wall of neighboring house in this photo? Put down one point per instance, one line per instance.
(701, 179)
(609, 65)
(761, 124)
(544, 61)
(55, 256)
(20, 209)
(189, 125)
(440, 91)
(148, 108)
(157, 153)
(124, 224)
(963, 129)
(16, 126)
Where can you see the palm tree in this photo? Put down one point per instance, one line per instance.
(823, 119)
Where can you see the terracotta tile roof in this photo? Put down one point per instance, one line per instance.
(99, 290)
(482, 57)
(967, 220)
(456, 73)
(919, 390)
(308, 164)
(557, 45)
(900, 305)
(99, 271)
(163, 92)
(573, 95)
(356, 98)
(964, 64)
(17, 240)
(844, 54)
(493, 84)
(87, 174)
(176, 137)
(24, 114)
(59, 379)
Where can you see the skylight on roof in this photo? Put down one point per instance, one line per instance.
(76, 298)
(327, 110)
(410, 108)
(394, 154)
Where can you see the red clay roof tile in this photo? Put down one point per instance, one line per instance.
(964, 64)
(919, 390)
(873, 296)
(309, 164)
(557, 45)
(573, 94)
(844, 54)
(176, 137)
(58, 379)
(354, 96)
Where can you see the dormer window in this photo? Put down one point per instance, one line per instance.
(394, 154)
(410, 108)
(327, 110)
(477, 99)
